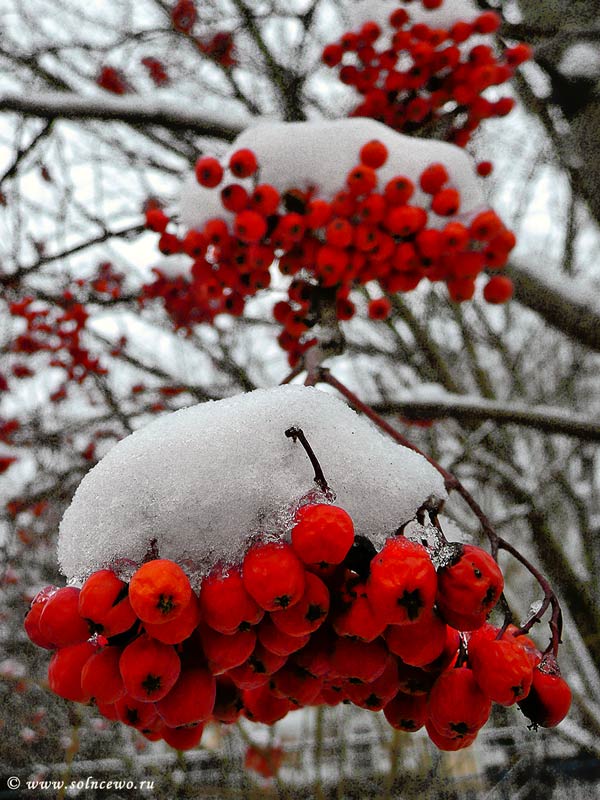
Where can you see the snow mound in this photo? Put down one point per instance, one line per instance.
(205, 479)
(445, 16)
(301, 155)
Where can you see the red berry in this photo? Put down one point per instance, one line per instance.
(323, 534)
(32, 620)
(159, 591)
(224, 602)
(64, 671)
(433, 178)
(261, 705)
(405, 220)
(278, 642)
(361, 180)
(250, 226)
(488, 22)
(228, 701)
(104, 602)
(332, 55)
(60, 621)
(418, 644)
(498, 289)
(448, 743)
(226, 651)
(399, 190)
(374, 154)
(156, 220)
(178, 629)
(377, 694)
(100, 676)
(184, 738)
(468, 588)
(136, 713)
(273, 575)
(485, 226)
(191, 699)
(209, 171)
(309, 613)
(295, 684)
(257, 670)
(234, 197)
(446, 202)
(406, 712)
(149, 669)
(457, 706)
(355, 616)
(243, 163)
(360, 662)
(402, 583)
(549, 699)
(502, 668)
(265, 199)
(380, 308)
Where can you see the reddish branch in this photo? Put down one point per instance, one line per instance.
(452, 483)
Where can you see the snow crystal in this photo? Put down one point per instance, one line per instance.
(203, 480)
(320, 154)
(445, 16)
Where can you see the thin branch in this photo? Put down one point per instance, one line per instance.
(130, 110)
(470, 408)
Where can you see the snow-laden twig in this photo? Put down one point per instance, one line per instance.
(469, 407)
(128, 109)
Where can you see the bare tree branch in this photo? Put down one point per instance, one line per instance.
(469, 408)
(131, 110)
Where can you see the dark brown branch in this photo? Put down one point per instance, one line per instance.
(297, 434)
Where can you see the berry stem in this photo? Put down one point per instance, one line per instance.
(297, 434)
(497, 543)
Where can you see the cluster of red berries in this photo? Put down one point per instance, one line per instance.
(322, 619)
(219, 47)
(364, 233)
(425, 73)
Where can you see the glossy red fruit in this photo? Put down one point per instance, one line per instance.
(402, 583)
(243, 163)
(360, 662)
(449, 654)
(406, 712)
(377, 694)
(502, 668)
(273, 575)
(446, 202)
(191, 699)
(104, 602)
(433, 178)
(32, 619)
(380, 308)
(420, 643)
(108, 710)
(448, 743)
(60, 621)
(64, 671)
(468, 588)
(498, 289)
(323, 534)
(228, 701)
(149, 668)
(209, 172)
(309, 613)
(224, 602)
(135, 713)
(278, 642)
(178, 629)
(295, 684)
(159, 591)
(374, 154)
(261, 705)
(355, 616)
(184, 738)
(226, 651)
(101, 677)
(257, 670)
(414, 680)
(549, 699)
(457, 706)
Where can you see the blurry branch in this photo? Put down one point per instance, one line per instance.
(470, 408)
(130, 110)
(23, 152)
(569, 310)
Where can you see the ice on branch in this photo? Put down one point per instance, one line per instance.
(204, 480)
(319, 155)
(445, 16)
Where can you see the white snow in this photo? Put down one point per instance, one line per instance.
(320, 153)
(581, 60)
(204, 479)
(450, 11)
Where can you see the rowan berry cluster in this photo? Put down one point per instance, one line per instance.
(365, 233)
(320, 619)
(424, 74)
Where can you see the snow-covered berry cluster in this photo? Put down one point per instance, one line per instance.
(319, 619)
(366, 232)
(413, 75)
